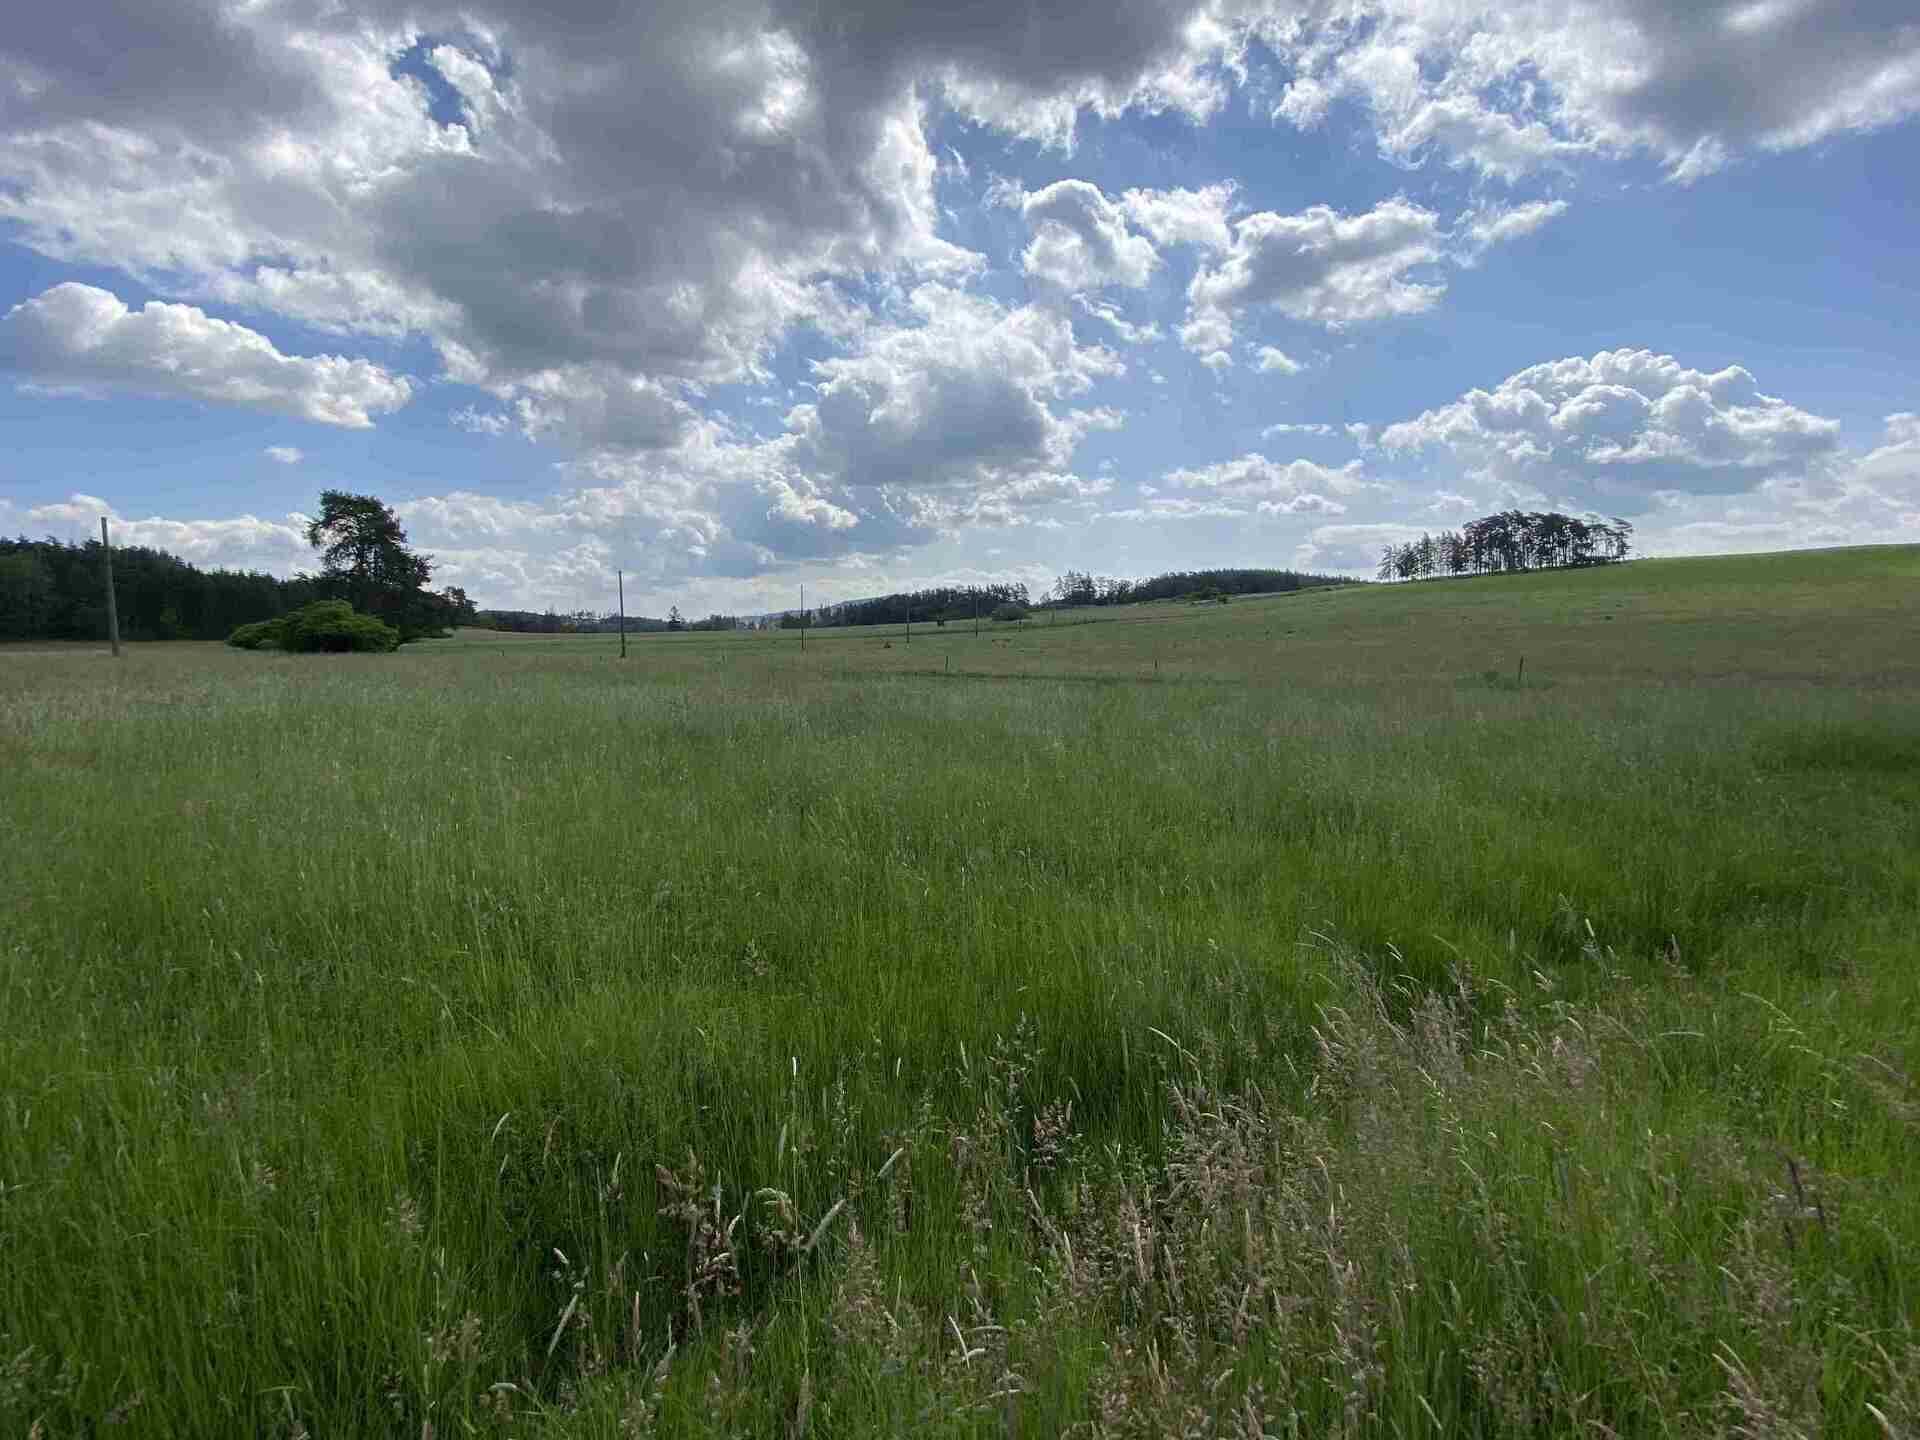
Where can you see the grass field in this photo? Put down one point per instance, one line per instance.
(1284, 1018)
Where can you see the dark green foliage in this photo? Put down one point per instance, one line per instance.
(942, 602)
(1511, 540)
(1009, 611)
(260, 635)
(331, 626)
(1078, 587)
(50, 590)
(365, 561)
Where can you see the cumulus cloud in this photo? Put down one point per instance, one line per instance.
(244, 542)
(1510, 89)
(1080, 238)
(79, 335)
(284, 454)
(1272, 360)
(1319, 266)
(970, 397)
(1184, 217)
(1623, 424)
(1295, 487)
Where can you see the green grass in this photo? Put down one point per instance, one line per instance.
(1272, 1016)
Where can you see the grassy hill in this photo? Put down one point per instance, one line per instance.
(1285, 1016)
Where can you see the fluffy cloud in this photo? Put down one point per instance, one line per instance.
(968, 398)
(1184, 217)
(79, 335)
(1624, 424)
(1319, 266)
(1272, 360)
(284, 454)
(1516, 87)
(1297, 487)
(1080, 238)
(487, 177)
(245, 542)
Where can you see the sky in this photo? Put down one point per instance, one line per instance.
(737, 296)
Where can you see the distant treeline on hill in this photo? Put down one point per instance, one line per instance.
(50, 590)
(1080, 588)
(1511, 540)
(586, 622)
(933, 606)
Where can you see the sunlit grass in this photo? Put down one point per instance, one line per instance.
(1493, 1057)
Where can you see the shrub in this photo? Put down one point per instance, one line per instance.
(334, 626)
(326, 625)
(1009, 611)
(260, 635)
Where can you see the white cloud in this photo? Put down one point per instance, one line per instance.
(1512, 88)
(1170, 507)
(1295, 487)
(1131, 332)
(1184, 217)
(1491, 227)
(80, 335)
(968, 398)
(1297, 428)
(1277, 360)
(1080, 238)
(243, 542)
(285, 454)
(1319, 266)
(1620, 425)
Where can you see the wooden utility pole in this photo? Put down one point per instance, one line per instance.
(621, 576)
(113, 607)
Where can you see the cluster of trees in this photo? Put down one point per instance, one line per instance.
(1511, 540)
(935, 606)
(1080, 588)
(52, 590)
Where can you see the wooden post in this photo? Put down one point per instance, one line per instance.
(113, 606)
(976, 610)
(803, 619)
(622, 578)
(909, 622)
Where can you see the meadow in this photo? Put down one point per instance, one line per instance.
(1293, 1017)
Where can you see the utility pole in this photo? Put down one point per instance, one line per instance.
(622, 578)
(113, 608)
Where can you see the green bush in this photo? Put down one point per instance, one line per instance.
(260, 635)
(331, 626)
(1009, 611)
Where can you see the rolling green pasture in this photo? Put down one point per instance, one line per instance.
(1292, 1017)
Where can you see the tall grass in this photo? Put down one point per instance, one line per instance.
(1316, 1038)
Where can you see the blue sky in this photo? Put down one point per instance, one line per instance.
(737, 296)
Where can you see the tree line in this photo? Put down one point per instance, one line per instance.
(1079, 587)
(589, 622)
(54, 590)
(1510, 540)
